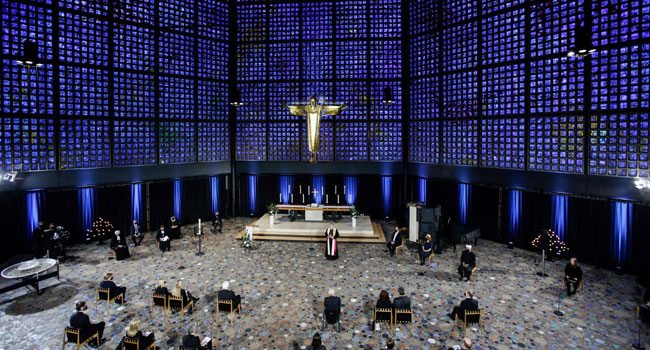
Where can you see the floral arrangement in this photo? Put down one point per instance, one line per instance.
(246, 242)
(272, 209)
(354, 212)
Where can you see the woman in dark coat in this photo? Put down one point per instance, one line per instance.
(120, 246)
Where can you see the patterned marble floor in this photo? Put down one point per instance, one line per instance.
(283, 285)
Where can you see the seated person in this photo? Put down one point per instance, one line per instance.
(120, 246)
(466, 345)
(136, 235)
(384, 301)
(113, 288)
(133, 331)
(174, 228)
(426, 248)
(468, 304)
(402, 302)
(79, 320)
(226, 294)
(572, 276)
(178, 291)
(395, 241)
(192, 341)
(332, 306)
(316, 343)
(217, 224)
(390, 343)
(164, 240)
(644, 309)
(161, 289)
(467, 263)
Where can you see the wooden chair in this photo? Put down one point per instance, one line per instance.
(73, 335)
(177, 303)
(326, 322)
(136, 343)
(472, 277)
(383, 315)
(180, 347)
(578, 289)
(105, 294)
(471, 317)
(403, 316)
(159, 300)
(226, 306)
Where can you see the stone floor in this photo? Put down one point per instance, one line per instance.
(283, 285)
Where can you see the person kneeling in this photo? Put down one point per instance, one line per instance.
(114, 289)
(191, 341)
(133, 331)
(164, 243)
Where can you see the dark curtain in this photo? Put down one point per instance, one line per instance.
(14, 219)
(195, 201)
(535, 216)
(113, 203)
(640, 258)
(484, 211)
(445, 194)
(62, 208)
(588, 231)
(161, 203)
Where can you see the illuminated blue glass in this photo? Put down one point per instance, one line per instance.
(213, 59)
(251, 23)
(253, 97)
(176, 54)
(27, 144)
(250, 141)
(620, 78)
(282, 93)
(385, 141)
(284, 143)
(83, 92)
(317, 60)
(556, 85)
(177, 15)
(284, 23)
(134, 95)
(134, 143)
(385, 59)
(317, 20)
(504, 37)
(84, 144)
(488, 6)
(553, 26)
(385, 18)
(92, 7)
(379, 110)
(618, 145)
(352, 141)
(351, 60)
(424, 141)
(425, 98)
(425, 16)
(176, 142)
(213, 100)
(619, 21)
(176, 98)
(213, 142)
(454, 11)
(134, 47)
(460, 94)
(351, 19)
(503, 143)
(424, 55)
(460, 45)
(251, 62)
(460, 142)
(355, 95)
(83, 39)
(26, 93)
(503, 90)
(213, 19)
(282, 61)
(556, 144)
(20, 22)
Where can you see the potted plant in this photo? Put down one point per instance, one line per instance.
(272, 209)
(354, 213)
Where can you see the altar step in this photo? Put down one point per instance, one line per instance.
(376, 237)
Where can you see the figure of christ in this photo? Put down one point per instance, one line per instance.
(313, 112)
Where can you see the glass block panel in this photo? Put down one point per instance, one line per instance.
(556, 144)
(351, 19)
(351, 60)
(24, 91)
(177, 15)
(213, 59)
(142, 11)
(618, 21)
(385, 141)
(557, 85)
(283, 61)
(553, 26)
(460, 142)
(424, 98)
(284, 142)
(176, 54)
(503, 143)
(134, 95)
(355, 95)
(176, 142)
(423, 141)
(488, 6)
(385, 59)
(213, 19)
(134, 47)
(251, 23)
(213, 142)
(176, 98)
(317, 20)
(254, 99)
(134, 143)
(85, 144)
(504, 90)
(620, 78)
(284, 21)
(424, 16)
(251, 62)
(27, 144)
(83, 92)
(280, 93)
(326, 142)
(385, 18)
(618, 145)
(454, 11)
(424, 55)
(83, 39)
(213, 100)
(91, 7)
(321, 89)
(459, 91)
(20, 22)
(251, 141)
(379, 110)
(317, 60)
(352, 141)
(460, 45)
(504, 37)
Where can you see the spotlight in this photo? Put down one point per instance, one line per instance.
(236, 99)
(583, 45)
(387, 99)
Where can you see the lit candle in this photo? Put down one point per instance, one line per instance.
(327, 196)
(199, 226)
(300, 189)
(280, 197)
(321, 190)
(292, 198)
(350, 198)
(303, 198)
(338, 199)
(308, 190)
(289, 188)
(335, 189)
(344, 190)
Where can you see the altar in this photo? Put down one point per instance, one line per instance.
(313, 212)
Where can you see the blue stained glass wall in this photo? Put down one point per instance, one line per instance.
(339, 51)
(120, 85)
(492, 85)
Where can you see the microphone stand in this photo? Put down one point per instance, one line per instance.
(181, 254)
(543, 273)
(559, 312)
(637, 345)
(199, 253)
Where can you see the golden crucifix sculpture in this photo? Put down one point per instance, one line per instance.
(313, 112)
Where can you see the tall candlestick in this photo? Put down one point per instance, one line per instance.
(335, 189)
(309, 190)
(338, 201)
(280, 197)
(322, 190)
(289, 188)
(300, 188)
(292, 198)
(350, 198)
(303, 198)
(199, 226)
(344, 190)
(327, 196)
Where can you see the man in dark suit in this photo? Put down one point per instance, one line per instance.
(38, 235)
(164, 243)
(136, 235)
(468, 304)
(174, 228)
(192, 341)
(467, 263)
(113, 288)
(226, 294)
(79, 320)
(395, 241)
(402, 302)
(332, 306)
(218, 223)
